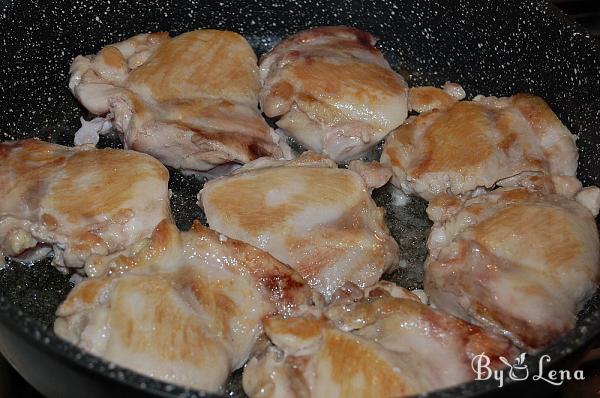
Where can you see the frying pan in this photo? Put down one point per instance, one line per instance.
(494, 48)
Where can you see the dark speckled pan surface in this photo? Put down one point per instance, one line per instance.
(493, 48)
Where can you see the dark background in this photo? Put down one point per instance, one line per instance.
(587, 13)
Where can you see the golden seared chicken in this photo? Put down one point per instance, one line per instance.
(307, 213)
(186, 307)
(457, 147)
(517, 261)
(387, 344)
(81, 202)
(190, 101)
(334, 91)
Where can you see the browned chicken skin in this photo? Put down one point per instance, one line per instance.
(309, 214)
(516, 261)
(334, 91)
(385, 344)
(457, 147)
(82, 202)
(185, 308)
(190, 101)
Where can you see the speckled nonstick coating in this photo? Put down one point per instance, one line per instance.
(494, 48)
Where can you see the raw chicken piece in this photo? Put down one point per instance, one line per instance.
(516, 261)
(81, 202)
(389, 346)
(470, 144)
(590, 198)
(188, 309)
(190, 101)
(90, 131)
(334, 91)
(308, 214)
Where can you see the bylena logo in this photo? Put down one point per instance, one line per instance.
(520, 371)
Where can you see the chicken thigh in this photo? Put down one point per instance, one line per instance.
(387, 344)
(458, 147)
(190, 101)
(80, 202)
(334, 91)
(307, 213)
(185, 308)
(517, 261)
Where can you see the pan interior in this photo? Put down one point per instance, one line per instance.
(500, 50)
